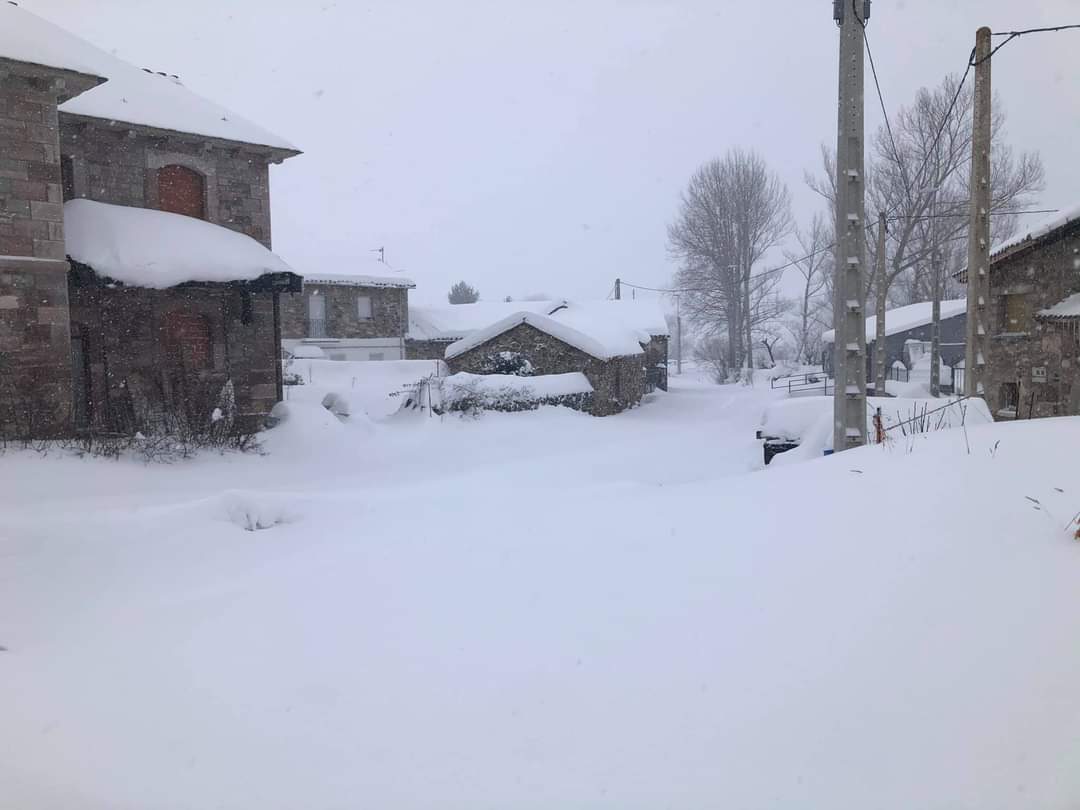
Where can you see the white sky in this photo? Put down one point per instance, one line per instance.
(541, 147)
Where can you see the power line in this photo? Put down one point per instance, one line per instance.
(1011, 35)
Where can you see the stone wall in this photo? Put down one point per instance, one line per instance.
(389, 309)
(1045, 274)
(426, 349)
(135, 372)
(119, 165)
(656, 360)
(618, 383)
(35, 346)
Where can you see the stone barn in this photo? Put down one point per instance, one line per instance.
(161, 199)
(531, 344)
(1034, 365)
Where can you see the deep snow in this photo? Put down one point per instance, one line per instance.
(545, 610)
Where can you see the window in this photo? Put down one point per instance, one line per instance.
(181, 191)
(67, 178)
(363, 307)
(1014, 315)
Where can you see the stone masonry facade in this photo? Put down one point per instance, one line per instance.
(1033, 364)
(618, 383)
(389, 312)
(35, 362)
(120, 165)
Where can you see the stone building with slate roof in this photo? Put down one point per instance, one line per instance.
(124, 321)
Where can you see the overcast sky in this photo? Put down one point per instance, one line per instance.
(541, 147)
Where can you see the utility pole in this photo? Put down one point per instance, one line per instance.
(618, 289)
(849, 398)
(935, 319)
(978, 265)
(882, 288)
(678, 335)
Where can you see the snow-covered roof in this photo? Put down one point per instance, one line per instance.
(349, 280)
(1037, 231)
(455, 321)
(1066, 310)
(912, 316)
(130, 94)
(643, 317)
(602, 344)
(142, 247)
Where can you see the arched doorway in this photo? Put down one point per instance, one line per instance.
(181, 191)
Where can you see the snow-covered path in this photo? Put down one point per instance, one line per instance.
(546, 610)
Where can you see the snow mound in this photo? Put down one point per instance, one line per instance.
(156, 249)
(253, 511)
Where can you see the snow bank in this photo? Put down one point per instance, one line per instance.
(602, 341)
(902, 319)
(366, 386)
(539, 387)
(155, 249)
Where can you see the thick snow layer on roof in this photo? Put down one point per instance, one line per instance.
(1038, 230)
(453, 322)
(902, 319)
(350, 280)
(130, 95)
(544, 385)
(600, 344)
(25, 37)
(615, 320)
(146, 248)
(1064, 310)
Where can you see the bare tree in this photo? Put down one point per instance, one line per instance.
(813, 262)
(462, 293)
(919, 177)
(733, 211)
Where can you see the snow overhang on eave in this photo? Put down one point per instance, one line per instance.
(84, 276)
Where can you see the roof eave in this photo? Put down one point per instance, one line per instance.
(67, 83)
(273, 154)
(83, 275)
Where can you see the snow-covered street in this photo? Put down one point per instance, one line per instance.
(545, 610)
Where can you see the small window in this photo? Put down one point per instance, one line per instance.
(363, 307)
(67, 178)
(1014, 314)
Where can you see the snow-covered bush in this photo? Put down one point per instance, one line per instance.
(472, 394)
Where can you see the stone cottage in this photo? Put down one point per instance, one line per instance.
(613, 363)
(349, 317)
(433, 329)
(1034, 365)
(160, 199)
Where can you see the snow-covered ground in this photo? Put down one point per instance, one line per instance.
(545, 610)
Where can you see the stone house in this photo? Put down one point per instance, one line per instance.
(349, 317)
(1034, 365)
(433, 329)
(160, 199)
(614, 365)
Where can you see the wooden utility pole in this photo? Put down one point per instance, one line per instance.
(881, 287)
(678, 335)
(978, 265)
(849, 320)
(618, 289)
(935, 321)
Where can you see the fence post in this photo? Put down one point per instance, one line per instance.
(879, 428)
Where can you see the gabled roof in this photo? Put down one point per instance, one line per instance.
(455, 321)
(912, 316)
(1029, 237)
(603, 346)
(141, 247)
(129, 95)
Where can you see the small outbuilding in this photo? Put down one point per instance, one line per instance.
(528, 343)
